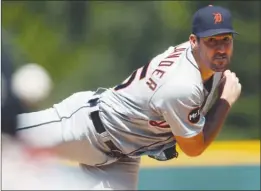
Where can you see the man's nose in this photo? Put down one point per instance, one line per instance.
(221, 48)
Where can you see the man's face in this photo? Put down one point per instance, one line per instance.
(216, 51)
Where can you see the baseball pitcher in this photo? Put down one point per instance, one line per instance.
(182, 96)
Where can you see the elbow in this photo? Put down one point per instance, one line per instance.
(194, 152)
(193, 146)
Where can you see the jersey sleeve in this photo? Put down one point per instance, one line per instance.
(180, 107)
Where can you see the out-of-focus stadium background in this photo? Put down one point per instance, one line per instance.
(89, 44)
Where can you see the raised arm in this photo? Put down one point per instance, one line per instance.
(215, 118)
(181, 110)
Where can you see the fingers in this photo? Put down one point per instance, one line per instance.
(232, 75)
(232, 87)
(227, 72)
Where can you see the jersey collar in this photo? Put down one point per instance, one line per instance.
(191, 58)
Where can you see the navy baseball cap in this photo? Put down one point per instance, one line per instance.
(212, 20)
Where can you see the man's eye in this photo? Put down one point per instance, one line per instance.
(226, 39)
(211, 40)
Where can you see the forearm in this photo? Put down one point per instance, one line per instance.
(215, 120)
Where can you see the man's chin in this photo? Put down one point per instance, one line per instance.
(220, 67)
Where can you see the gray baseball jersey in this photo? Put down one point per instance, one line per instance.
(166, 97)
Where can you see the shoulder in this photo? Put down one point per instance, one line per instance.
(172, 50)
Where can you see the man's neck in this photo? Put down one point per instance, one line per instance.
(205, 74)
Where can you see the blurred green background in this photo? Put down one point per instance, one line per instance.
(90, 44)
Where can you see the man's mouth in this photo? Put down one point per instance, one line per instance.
(220, 58)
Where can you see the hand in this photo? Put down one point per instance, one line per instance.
(231, 87)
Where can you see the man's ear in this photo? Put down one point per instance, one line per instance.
(193, 40)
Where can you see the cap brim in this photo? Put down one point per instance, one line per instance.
(214, 32)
